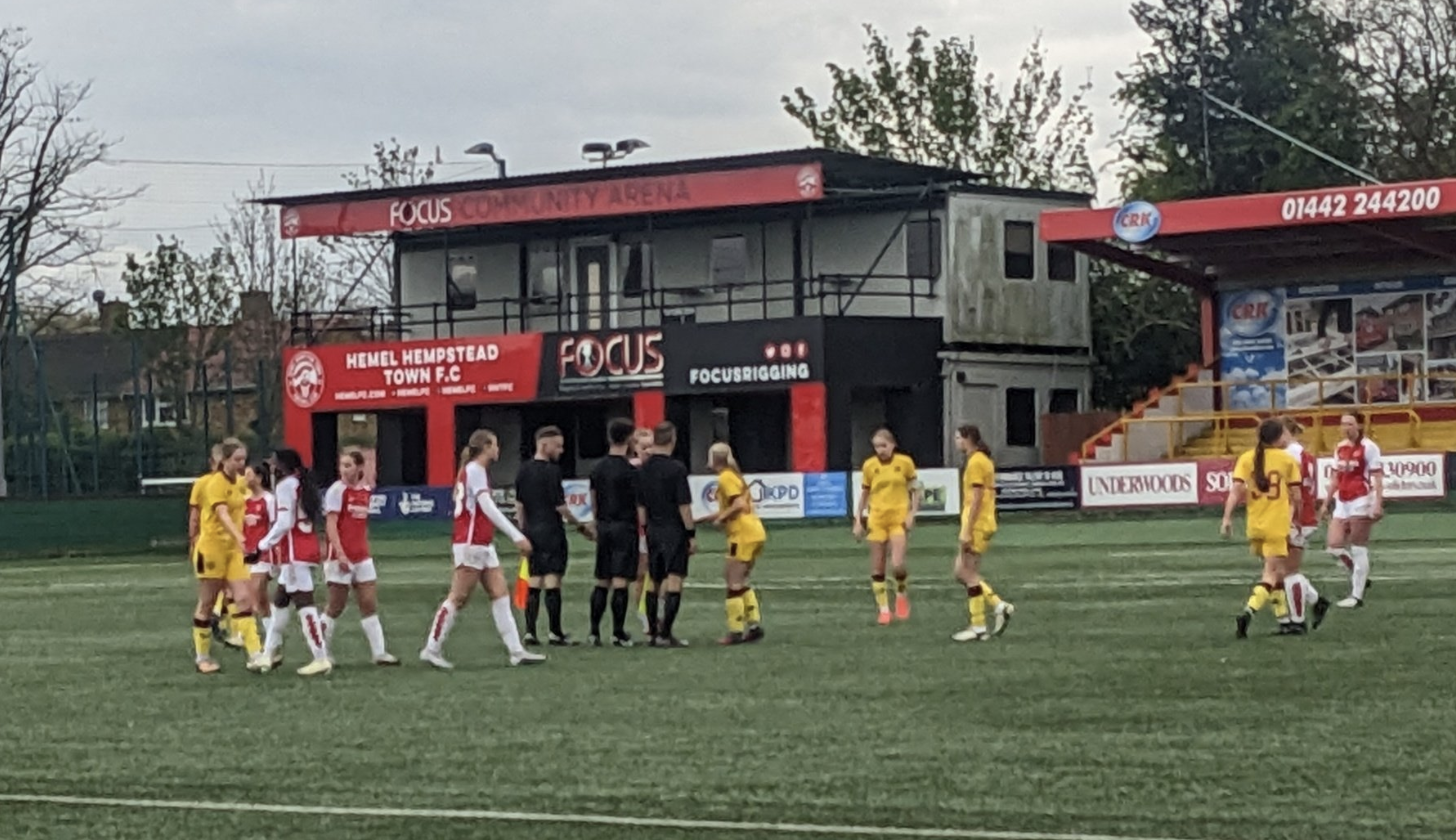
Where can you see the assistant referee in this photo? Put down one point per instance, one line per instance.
(614, 503)
(665, 506)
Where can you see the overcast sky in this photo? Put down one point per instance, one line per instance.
(318, 81)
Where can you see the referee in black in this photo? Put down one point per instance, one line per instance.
(665, 506)
(540, 508)
(614, 502)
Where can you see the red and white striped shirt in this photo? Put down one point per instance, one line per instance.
(351, 504)
(476, 515)
(1355, 463)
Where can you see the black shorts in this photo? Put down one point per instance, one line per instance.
(548, 554)
(667, 554)
(616, 550)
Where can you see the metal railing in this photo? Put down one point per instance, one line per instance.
(829, 295)
(1320, 434)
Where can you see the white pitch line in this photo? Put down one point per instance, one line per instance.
(572, 819)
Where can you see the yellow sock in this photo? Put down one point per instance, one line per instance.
(977, 603)
(1281, 604)
(247, 625)
(750, 608)
(736, 610)
(220, 605)
(201, 639)
(992, 599)
(882, 594)
(1259, 597)
(232, 609)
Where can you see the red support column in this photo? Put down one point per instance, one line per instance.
(649, 408)
(1209, 322)
(808, 438)
(440, 444)
(297, 432)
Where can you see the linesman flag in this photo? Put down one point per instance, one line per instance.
(523, 584)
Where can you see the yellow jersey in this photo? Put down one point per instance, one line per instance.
(979, 472)
(217, 489)
(1270, 513)
(746, 527)
(888, 483)
(194, 499)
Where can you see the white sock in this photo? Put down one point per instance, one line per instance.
(440, 627)
(276, 626)
(328, 625)
(1300, 593)
(1361, 557)
(1342, 556)
(505, 624)
(313, 632)
(374, 632)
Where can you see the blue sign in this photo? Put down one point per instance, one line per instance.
(1137, 222)
(826, 495)
(389, 503)
(1251, 346)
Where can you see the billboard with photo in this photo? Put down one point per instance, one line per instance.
(1341, 343)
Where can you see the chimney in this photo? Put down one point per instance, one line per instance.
(113, 315)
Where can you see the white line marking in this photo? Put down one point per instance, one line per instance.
(576, 819)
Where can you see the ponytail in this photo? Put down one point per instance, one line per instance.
(1270, 433)
(972, 434)
(478, 441)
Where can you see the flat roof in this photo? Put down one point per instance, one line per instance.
(1298, 235)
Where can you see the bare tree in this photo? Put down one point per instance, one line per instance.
(1406, 55)
(368, 260)
(44, 146)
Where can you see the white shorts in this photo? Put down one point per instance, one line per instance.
(1354, 509)
(360, 571)
(297, 577)
(479, 557)
(1299, 535)
(642, 544)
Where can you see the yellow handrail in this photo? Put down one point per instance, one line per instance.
(1223, 423)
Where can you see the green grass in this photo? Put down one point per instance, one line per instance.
(1117, 704)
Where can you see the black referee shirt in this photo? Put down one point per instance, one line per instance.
(662, 488)
(614, 481)
(540, 494)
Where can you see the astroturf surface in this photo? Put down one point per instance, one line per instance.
(1117, 704)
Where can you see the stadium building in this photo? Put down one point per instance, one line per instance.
(787, 302)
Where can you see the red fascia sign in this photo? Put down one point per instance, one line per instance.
(1270, 210)
(384, 375)
(623, 196)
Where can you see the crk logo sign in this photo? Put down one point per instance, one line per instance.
(620, 360)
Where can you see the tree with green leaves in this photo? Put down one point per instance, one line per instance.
(936, 106)
(1286, 62)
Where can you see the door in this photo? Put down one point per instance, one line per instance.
(593, 285)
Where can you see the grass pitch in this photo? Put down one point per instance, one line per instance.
(1118, 704)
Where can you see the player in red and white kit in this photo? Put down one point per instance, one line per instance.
(294, 537)
(259, 512)
(1300, 596)
(1357, 489)
(476, 519)
(350, 564)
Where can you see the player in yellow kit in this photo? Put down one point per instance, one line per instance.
(746, 537)
(1267, 479)
(219, 561)
(223, 609)
(891, 497)
(978, 525)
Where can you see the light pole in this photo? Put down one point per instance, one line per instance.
(9, 278)
(605, 153)
(488, 150)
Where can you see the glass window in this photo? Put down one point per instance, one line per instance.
(1064, 401)
(1061, 263)
(728, 261)
(636, 268)
(460, 282)
(1020, 417)
(922, 248)
(1020, 248)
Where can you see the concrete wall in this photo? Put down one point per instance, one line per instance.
(985, 307)
(975, 392)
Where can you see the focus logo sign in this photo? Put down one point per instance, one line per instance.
(609, 361)
(1137, 222)
(304, 379)
(784, 361)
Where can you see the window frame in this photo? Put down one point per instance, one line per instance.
(1052, 263)
(934, 245)
(715, 255)
(1007, 255)
(1012, 439)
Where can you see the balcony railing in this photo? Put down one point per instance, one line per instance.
(873, 295)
